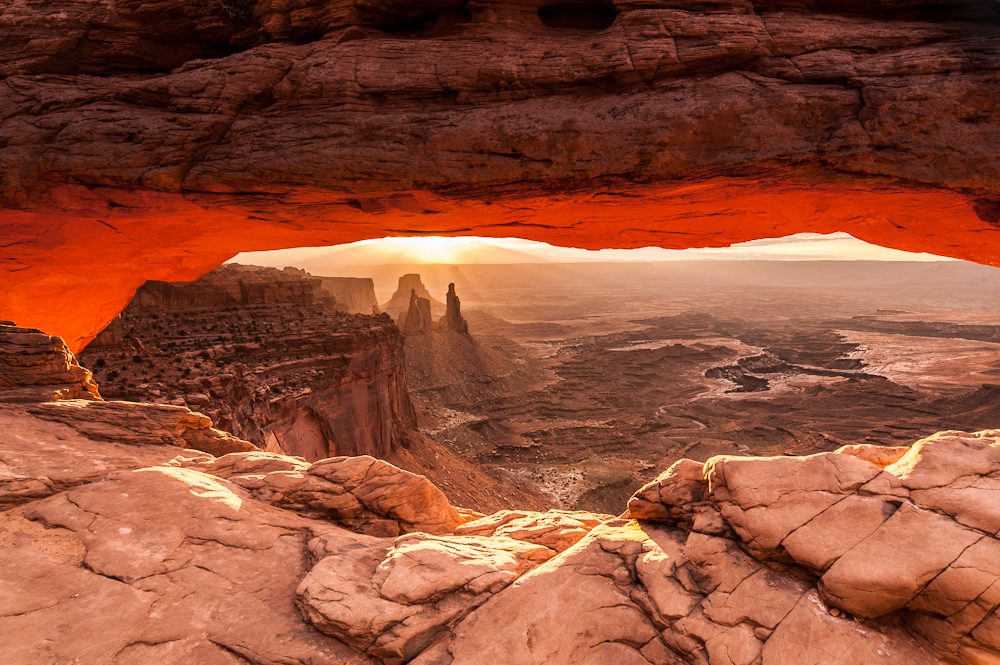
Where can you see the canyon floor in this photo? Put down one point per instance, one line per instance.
(588, 379)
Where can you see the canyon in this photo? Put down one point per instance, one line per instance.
(160, 539)
(269, 357)
(588, 379)
(727, 520)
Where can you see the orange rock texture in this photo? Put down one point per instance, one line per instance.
(155, 139)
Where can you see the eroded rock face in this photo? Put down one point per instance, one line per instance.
(355, 294)
(416, 320)
(901, 533)
(410, 284)
(233, 285)
(173, 573)
(393, 602)
(361, 493)
(262, 353)
(35, 367)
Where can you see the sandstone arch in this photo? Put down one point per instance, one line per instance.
(125, 157)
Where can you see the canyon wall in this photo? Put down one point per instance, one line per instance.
(354, 294)
(262, 353)
(350, 396)
(231, 285)
(163, 147)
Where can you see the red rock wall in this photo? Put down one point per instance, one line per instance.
(354, 294)
(356, 402)
(231, 285)
(693, 124)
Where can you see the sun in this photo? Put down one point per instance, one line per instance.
(421, 249)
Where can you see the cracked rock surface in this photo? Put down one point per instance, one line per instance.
(872, 556)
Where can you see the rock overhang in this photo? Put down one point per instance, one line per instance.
(680, 124)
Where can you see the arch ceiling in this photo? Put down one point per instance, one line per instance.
(154, 140)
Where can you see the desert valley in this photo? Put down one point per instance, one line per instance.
(210, 455)
(575, 383)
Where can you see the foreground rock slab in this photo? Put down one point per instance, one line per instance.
(361, 493)
(393, 602)
(173, 573)
(148, 554)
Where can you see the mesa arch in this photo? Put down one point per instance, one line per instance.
(134, 149)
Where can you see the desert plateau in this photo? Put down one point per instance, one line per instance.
(495, 332)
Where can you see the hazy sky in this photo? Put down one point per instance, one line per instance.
(465, 250)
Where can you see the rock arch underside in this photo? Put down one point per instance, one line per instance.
(155, 139)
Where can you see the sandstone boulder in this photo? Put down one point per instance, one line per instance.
(40, 456)
(141, 423)
(180, 567)
(392, 603)
(361, 493)
(556, 529)
(892, 536)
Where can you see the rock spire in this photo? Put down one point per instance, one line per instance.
(417, 319)
(452, 319)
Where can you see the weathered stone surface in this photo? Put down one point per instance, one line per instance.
(555, 529)
(35, 367)
(141, 423)
(301, 379)
(174, 565)
(395, 606)
(39, 457)
(452, 319)
(576, 608)
(811, 635)
(881, 530)
(360, 493)
(416, 320)
(355, 294)
(232, 285)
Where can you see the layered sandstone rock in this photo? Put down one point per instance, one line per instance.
(263, 354)
(355, 295)
(888, 535)
(416, 320)
(35, 367)
(361, 493)
(162, 138)
(392, 602)
(141, 423)
(232, 285)
(112, 335)
(162, 565)
(343, 393)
